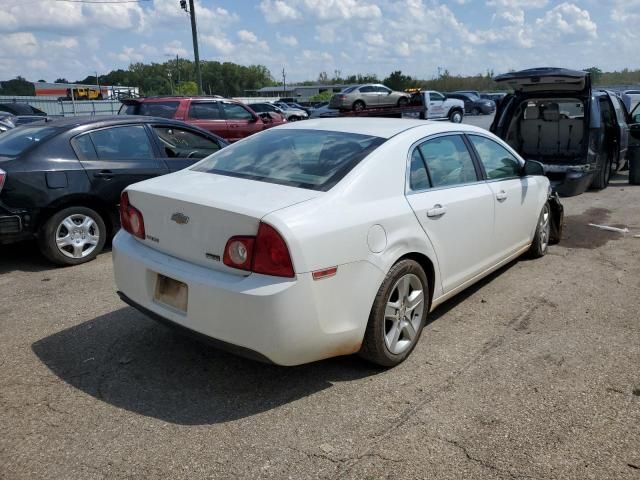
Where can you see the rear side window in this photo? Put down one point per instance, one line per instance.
(236, 112)
(205, 111)
(84, 148)
(181, 143)
(497, 161)
(418, 176)
(16, 141)
(367, 89)
(312, 159)
(127, 142)
(152, 109)
(449, 161)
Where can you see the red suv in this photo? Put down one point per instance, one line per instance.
(228, 119)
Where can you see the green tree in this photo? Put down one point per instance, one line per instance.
(321, 97)
(596, 74)
(187, 88)
(17, 86)
(398, 81)
(61, 80)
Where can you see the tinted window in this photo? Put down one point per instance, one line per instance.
(418, 177)
(498, 162)
(435, 96)
(122, 142)
(449, 161)
(234, 111)
(382, 89)
(312, 159)
(16, 141)
(83, 146)
(179, 143)
(205, 111)
(349, 90)
(367, 89)
(159, 109)
(258, 107)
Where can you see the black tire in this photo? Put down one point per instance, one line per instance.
(542, 236)
(456, 116)
(603, 175)
(475, 111)
(358, 106)
(403, 102)
(634, 167)
(374, 346)
(54, 227)
(293, 118)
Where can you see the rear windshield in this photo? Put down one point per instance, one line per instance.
(152, 109)
(16, 141)
(349, 89)
(312, 159)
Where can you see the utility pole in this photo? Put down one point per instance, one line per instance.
(284, 83)
(194, 34)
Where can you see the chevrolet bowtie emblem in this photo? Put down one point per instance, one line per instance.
(180, 218)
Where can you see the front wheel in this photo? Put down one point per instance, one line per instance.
(455, 116)
(358, 106)
(293, 118)
(73, 236)
(540, 242)
(475, 111)
(398, 315)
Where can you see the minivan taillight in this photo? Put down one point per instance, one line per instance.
(131, 218)
(266, 253)
(3, 178)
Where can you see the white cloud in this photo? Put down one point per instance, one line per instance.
(175, 47)
(342, 9)
(20, 44)
(247, 36)
(128, 55)
(63, 42)
(276, 11)
(374, 39)
(569, 21)
(220, 43)
(288, 40)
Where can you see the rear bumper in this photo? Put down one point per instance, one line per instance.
(284, 321)
(14, 225)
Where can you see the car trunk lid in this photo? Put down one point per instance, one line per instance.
(191, 215)
(547, 79)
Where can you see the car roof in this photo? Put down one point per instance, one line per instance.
(378, 127)
(108, 120)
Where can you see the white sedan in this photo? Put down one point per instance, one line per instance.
(329, 237)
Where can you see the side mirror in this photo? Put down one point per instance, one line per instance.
(532, 167)
(636, 118)
(634, 130)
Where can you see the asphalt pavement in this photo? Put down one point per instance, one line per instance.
(532, 373)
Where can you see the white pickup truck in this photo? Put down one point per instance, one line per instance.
(439, 107)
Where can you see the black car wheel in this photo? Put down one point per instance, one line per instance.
(397, 316)
(73, 236)
(603, 175)
(455, 116)
(543, 233)
(358, 106)
(475, 111)
(403, 102)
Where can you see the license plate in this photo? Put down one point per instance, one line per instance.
(172, 293)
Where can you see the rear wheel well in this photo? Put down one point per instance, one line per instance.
(427, 266)
(108, 214)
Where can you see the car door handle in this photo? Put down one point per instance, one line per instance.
(437, 211)
(501, 196)
(106, 174)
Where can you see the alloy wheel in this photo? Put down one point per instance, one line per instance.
(545, 227)
(403, 313)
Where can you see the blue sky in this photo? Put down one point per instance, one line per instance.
(50, 39)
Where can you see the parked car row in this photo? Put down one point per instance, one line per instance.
(60, 181)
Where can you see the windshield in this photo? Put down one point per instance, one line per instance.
(312, 159)
(16, 141)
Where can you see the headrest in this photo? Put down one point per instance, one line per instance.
(532, 113)
(551, 112)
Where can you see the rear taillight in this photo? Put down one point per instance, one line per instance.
(266, 253)
(3, 178)
(130, 217)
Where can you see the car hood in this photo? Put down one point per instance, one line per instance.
(546, 79)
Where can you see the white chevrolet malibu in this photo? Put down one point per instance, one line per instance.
(328, 237)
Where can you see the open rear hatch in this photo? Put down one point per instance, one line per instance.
(547, 80)
(191, 215)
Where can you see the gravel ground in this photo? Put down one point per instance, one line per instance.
(532, 373)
